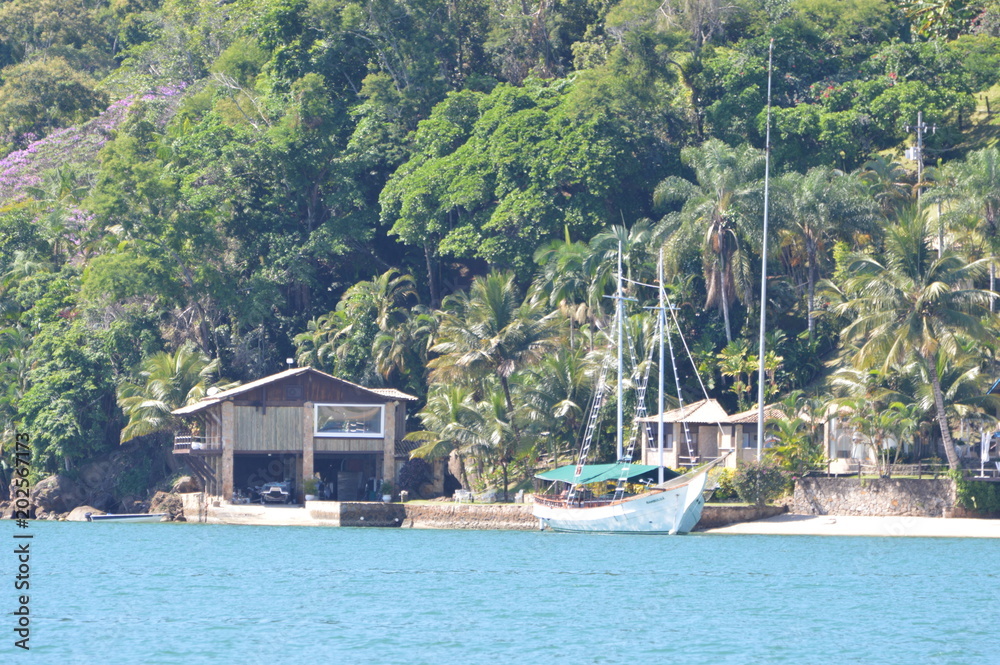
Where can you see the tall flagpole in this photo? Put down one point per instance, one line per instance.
(620, 310)
(662, 318)
(763, 257)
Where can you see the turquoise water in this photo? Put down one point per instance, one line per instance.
(192, 594)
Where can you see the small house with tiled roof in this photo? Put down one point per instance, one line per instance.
(739, 434)
(297, 424)
(691, 434)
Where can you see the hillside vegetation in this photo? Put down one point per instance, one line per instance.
(431, 194)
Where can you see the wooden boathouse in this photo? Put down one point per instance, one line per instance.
(297, 424)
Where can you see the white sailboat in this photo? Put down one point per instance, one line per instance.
(670, 507)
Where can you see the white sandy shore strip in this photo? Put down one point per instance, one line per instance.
(844, 525)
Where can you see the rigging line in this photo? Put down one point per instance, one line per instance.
(677, 382)
(632, 281)
(640, 410)
(704, 391)
(641, 405)
(592, 419)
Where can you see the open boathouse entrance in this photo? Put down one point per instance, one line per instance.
(346, 476)
(252, 470)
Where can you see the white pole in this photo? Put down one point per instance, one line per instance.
(920, 155)
(619, 312)
(662, 318)
(763, 267)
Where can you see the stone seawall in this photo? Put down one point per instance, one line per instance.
(712, 517)
(425, 516)
(876, 497)
(516, 517)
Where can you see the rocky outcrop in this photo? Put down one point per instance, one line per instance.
(56, 494)
(171, 504)
(79, 514)
(185, 485)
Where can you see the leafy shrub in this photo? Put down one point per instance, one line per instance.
(725, 489)
(759, 482)
(415, 473)
(133, 481)
(980, 496)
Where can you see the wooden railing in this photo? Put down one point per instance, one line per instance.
(193, 443)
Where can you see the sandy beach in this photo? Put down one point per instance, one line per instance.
(841, 525)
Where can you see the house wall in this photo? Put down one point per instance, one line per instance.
(276, 428)
(708, 441)
(732, 439)
(652, 455)
(228, 437)
(345, 445)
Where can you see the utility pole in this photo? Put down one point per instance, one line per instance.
(918, 153)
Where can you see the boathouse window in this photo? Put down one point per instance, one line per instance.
(350, 420)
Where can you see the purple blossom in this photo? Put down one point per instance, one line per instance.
(73, 145)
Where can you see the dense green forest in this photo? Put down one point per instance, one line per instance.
(431, 194)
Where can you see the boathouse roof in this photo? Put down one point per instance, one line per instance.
(380, 394)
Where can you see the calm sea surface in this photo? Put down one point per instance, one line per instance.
(186, 593)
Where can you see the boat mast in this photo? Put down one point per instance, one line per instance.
(619, 311)
(661, 317)
(763, 257)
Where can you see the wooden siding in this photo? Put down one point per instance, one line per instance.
(307, 388)
(280, 428)
(345, 445)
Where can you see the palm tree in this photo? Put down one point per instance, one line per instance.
(633, 243)
(56, 204)
(317, 345)
(496, 435)
(884, 426)
(821, 206)
(403, 349)
(567, 279)
(343, 341)
(888, 183)
(447, 419)
(490, 333)
(963, 382)
(915, 305)
(720, 207)
(975, 192)
(169, 381)
(557, 392)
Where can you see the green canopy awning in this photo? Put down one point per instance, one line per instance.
(596, 473)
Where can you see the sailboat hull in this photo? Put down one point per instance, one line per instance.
(667, 512)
